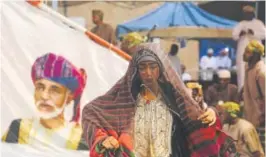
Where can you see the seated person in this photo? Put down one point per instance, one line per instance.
(222, 91)
(241, 130)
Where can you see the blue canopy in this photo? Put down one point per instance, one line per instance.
(175, 14)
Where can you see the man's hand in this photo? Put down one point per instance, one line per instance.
(242, 33)
(193, 111)
(250, 32)
(208, 117)
(110, 143)
(256, 154)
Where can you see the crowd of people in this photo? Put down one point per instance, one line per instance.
(155, 109)
(222, 61)
(241, 108)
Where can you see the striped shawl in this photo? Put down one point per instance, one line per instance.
(115, 110)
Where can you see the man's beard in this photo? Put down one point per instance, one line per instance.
(248, 16)
(49, 115)
(222, 86)
(246, 59)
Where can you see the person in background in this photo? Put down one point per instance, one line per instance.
(222, 91)
(241, 130)
(223, 61)
(57, 83)
(248, 29)
(185, 76)
(208, 62)
(254, 87)
(175, 59)
(196, 92)
(207, 66)
(131, 41)
(103, 30)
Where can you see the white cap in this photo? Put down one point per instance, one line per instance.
(186, 77)
(210, 51)
(224, 73)
(225, 50)
(220, 102)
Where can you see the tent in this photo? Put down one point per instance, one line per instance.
(175, 14)
(185, 19)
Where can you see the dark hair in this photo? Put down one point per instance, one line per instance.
(174, 49)
(136, 83)
(248, 15)
(255, 58)
(98, 13)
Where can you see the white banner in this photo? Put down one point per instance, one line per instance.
(27, 33)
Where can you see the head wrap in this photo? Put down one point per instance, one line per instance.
(224, 73)
(248, 8)
(226, 50)
(116, 109)
(134, 39)
(98, 13)
(255, 46)
(58, 69)
(186, 77)
(232, 108)
(195, 85)
(146, 56)
(210, 51)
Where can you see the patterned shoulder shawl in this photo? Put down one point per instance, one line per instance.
(115, 110)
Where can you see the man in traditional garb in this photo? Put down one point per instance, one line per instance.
(254, 87)
(241, 130)
(208, 62)
(150, 113)
(57, 83)
(196, 92)
(131, 41)
(248, 29)
(102, 29)
(207, 65)
(175, 59)
(185, 75)
(222, 91)
(223, 61)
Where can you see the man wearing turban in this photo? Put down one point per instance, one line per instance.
(241, 130)
(103, 30)
(254, 86)
(57, 83)
(131, 41)
(196, 92)
(248, 29)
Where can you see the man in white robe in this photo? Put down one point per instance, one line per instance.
(248, 29)
(207, 65)
(223, 61)
(208, 62)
